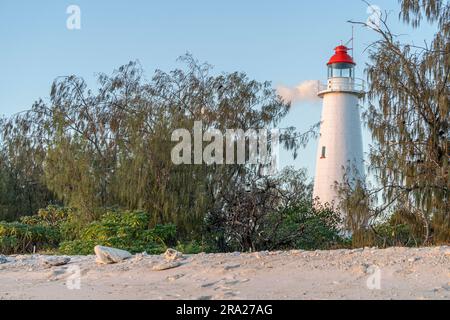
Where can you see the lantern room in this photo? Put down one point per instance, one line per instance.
(341, 64)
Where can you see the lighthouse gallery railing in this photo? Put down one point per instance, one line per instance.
(342, 84)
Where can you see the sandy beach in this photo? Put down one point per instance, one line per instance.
(394, 273)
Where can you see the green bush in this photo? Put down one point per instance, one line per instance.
(58, 227)
(38, 232)
(388, 235)
(51, 216)
(77, 247)
(126, 230)
(192, 247)
(298, 226)
(66, 220)
(401, 229)
(16, 237)
(303, 226)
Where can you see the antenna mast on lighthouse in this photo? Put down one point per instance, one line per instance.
(352, 40)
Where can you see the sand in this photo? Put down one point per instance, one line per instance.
(370, 273)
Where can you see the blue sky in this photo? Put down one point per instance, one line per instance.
(285, 42)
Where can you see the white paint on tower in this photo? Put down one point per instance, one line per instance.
(340, 142)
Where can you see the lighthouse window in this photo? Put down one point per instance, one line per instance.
(345, 73)
(324, 150)
(341, 70)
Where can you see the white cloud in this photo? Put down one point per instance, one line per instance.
(305, 91)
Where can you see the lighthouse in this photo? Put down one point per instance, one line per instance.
(340, 142)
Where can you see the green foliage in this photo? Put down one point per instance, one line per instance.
(51, 216)
(399, 235)
(192, 247)
(408, 117)
(306, 227)
(274, 213)
(55, 227)
(22, 191)
(16, 237)
(127, 230)
(42, 231)
(77, 247)
(110, 146)
(401, 229)
(66, 220)
(247, 216)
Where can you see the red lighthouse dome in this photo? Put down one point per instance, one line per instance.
(341, 56)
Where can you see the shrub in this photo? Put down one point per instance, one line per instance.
(66, 220)
(192, 247)
(16, 237)
(38, 232)
(50, 216)
(126, 230)
(77, 247)
(297, 226)
(55, 227)
(388, 235)
(304, 226)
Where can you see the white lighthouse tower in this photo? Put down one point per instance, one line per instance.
(340, 143)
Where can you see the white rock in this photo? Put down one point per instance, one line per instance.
(107, 255)
(172, 255)
(55, 261)
(231, 266)
(167, 265)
